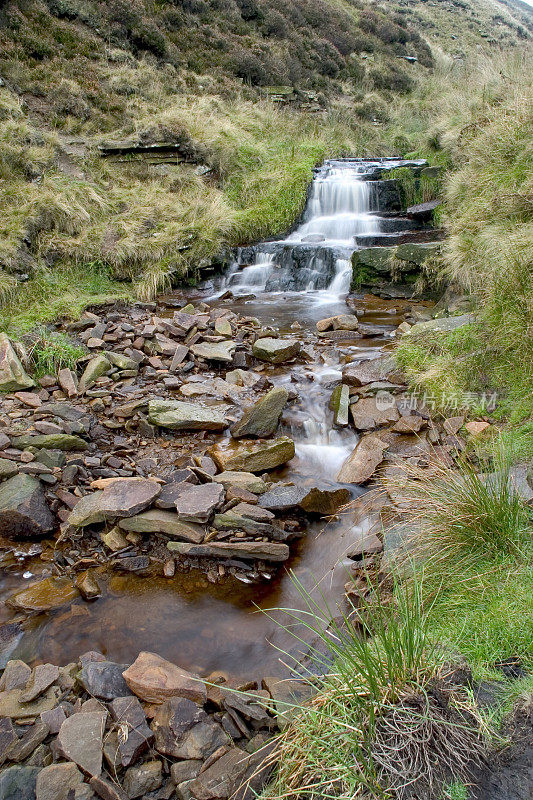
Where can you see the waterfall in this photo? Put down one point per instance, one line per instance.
(315, 256)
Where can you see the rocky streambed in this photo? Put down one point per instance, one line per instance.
(153, 500)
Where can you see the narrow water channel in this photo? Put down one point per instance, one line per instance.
(288, 284)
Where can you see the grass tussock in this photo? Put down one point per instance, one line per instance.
(472, 539)
(381, 724)
(49, 351)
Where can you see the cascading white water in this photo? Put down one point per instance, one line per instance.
(317, 254)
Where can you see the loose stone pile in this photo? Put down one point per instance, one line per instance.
(150, 729)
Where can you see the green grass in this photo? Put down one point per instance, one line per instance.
(373, 728)
(61, 292)
(51, 351)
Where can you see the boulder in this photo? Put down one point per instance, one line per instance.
(360, 373)
(262, 419)
(266, 551)
(276, 351)
(80, 739)
(245, 481)
(122, 498)
(181, 416)
(254, 457)
(24, 512)
(362, 463)
(154, 679)
(96, 368)
(340, 403)
(423, 212)
(165, 522)
(214, 351)
(50, 441)
(325, 500)
(197, 503)
(417, 253)
(370, 412)
(283, 498)
(442, 324)
(44, 595)
(12, 375)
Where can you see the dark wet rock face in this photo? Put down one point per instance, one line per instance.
(24, 512)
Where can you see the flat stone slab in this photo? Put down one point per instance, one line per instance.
(50, 441)
(265, 551)
(80, 738)
(166, 522)
(372, 412)
(122, 498)
(219, 351)
(363, 461)
(254, 457)
(178, 415)
(154, 679)
(198, 503)
(276, 351)
(442, 324)
(377, 369)
(44, 595)
(241, 480)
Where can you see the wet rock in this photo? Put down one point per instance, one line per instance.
(12, 375)
(276, 351)
(340, 403)
(52, 441)
(219, 351)
(121, 498)
(283, 498)
(183, 730)
(254, 457)
(155, 679)
(197, 503)
(366, 544)
(80, 740)
(24, 512)
(141, 780)
(363, 461)
(267, 551)
(104, 680)
(378, 369)
(341, 322)
(18, 783)
(58, 782)
(325, 500)
(96, 368)
(43, 676)
(179, 415)
(87, 586)
(11, 705)
(127, 711)
(44, 595)
(166, 522)
(371, 412)
(262, 419)
(246, 481)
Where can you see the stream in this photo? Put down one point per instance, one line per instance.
(290, 285)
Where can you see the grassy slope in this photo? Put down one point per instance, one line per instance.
(80, 72)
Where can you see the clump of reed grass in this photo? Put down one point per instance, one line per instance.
(381, 724)
(50, 351)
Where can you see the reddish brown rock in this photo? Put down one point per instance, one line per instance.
(155, 679)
